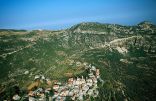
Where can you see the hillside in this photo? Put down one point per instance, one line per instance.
(126, 56)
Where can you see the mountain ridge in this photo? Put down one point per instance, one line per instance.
(85, 23)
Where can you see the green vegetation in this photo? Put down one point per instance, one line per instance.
(129, 76)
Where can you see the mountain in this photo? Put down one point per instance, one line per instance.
(126, 56)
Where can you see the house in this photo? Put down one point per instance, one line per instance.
(32, 99)
(42, 77)
(91, 75)
(71, 93)
(70, 81)
(85, 88)
(96, 93)
(16, 97)
(94, 80)
(77, 82)
(90, 92)
(93, 68)
(97, 73)
(37, 77)
(89, 82)
(82, 81)
(85, 63)
(49, 83)
(80, 97)
(31, 93)
(56, 87)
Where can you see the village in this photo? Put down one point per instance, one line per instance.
(75, 89)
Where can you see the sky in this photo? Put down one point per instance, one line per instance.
(61, 14)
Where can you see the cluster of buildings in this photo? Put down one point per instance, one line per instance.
(79, 88)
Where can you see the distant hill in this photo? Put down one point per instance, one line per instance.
(14, 30)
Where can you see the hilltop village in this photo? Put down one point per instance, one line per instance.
(76, 89)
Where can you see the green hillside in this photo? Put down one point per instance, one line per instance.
(126, 56)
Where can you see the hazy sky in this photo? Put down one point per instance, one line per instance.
(59, 14)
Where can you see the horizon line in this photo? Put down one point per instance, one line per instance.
(68, 27)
